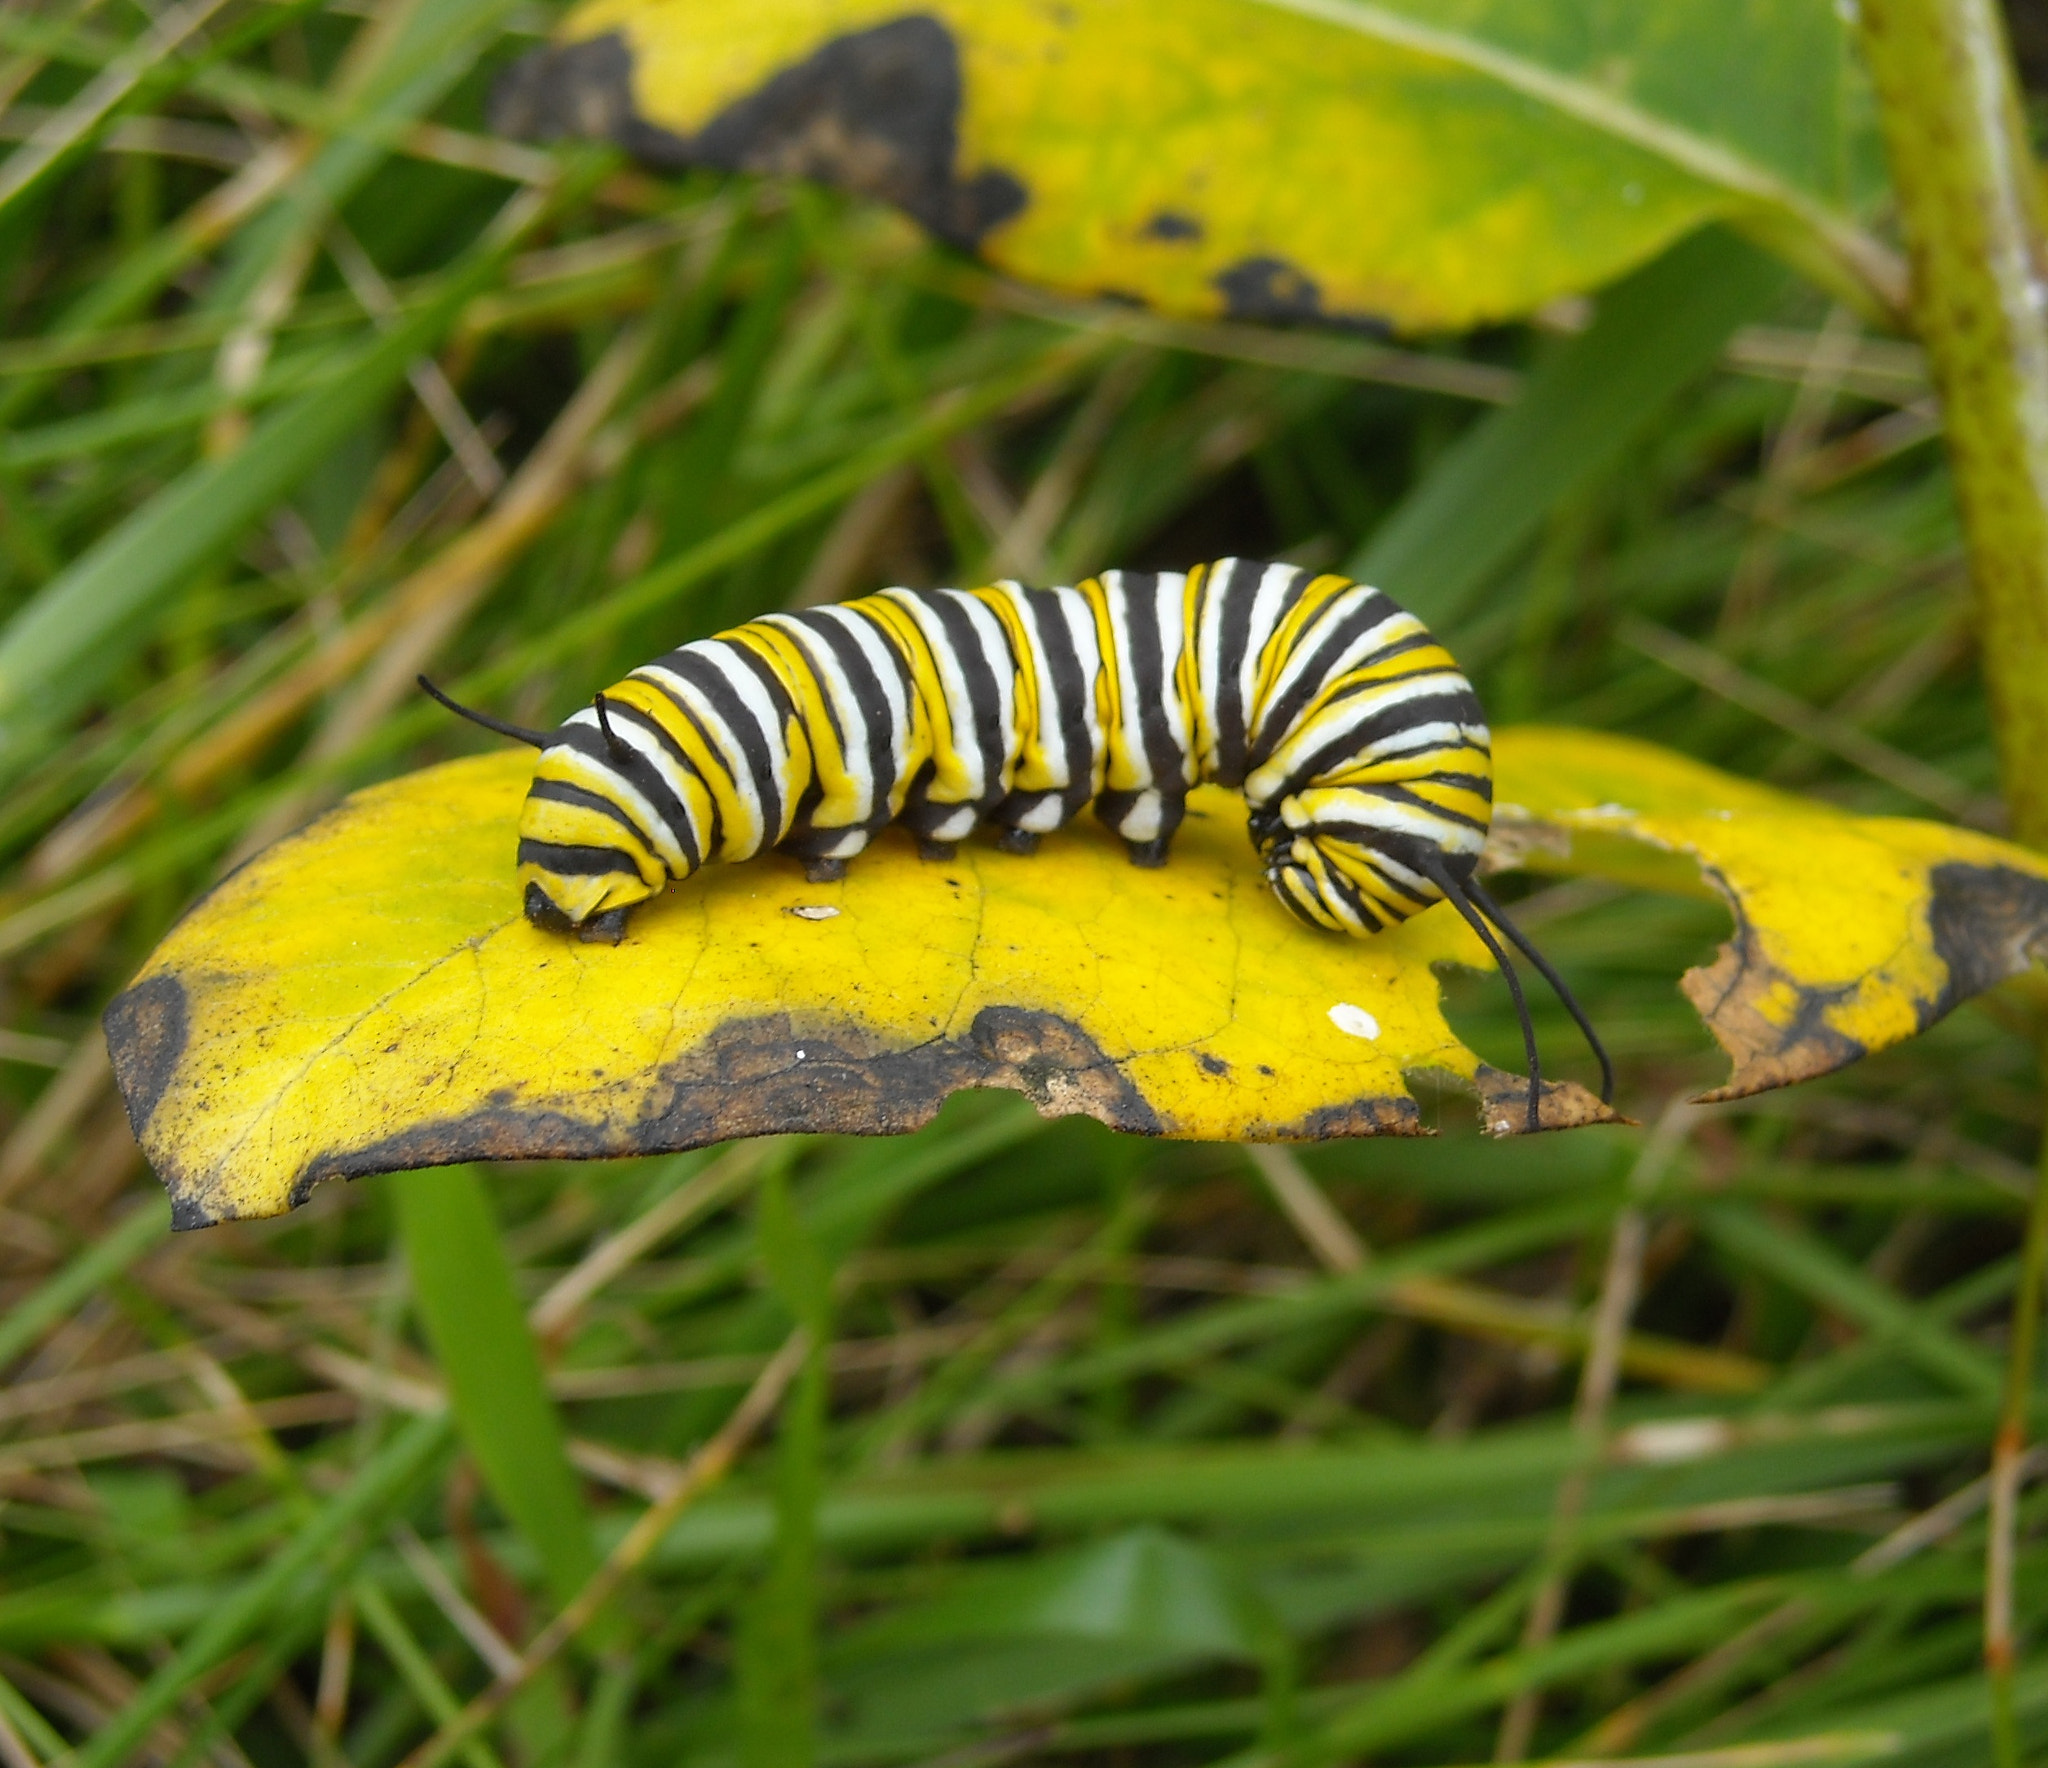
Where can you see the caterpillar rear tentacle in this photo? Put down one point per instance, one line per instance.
(1362, 751)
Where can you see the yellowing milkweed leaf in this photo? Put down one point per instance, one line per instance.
(1417, 163)
(1852, 933)
(365, 996)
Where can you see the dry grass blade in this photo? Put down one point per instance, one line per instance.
(717, 1185)
(14, 1749)
(205, 1436)
(420, 615)
(1328, 1235)
(499, 1656)
(1473, 1308)
(1620, 1286)
(704, 1468)
(1790, 713)
(64, 128)
(85, 1078)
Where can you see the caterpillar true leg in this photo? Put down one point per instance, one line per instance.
(607, 929)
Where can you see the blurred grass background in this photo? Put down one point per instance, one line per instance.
(1089, 1449)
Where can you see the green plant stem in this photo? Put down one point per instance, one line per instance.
(1971, 206)
(1970, 201)
(2008, 1454)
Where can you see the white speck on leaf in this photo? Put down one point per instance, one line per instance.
(814, 911)
(1354, 1021)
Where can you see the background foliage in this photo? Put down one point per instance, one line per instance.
(1615, 1443)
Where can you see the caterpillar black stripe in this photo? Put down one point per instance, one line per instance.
(1360, 747)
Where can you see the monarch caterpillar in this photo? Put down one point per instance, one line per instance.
(1361, 749)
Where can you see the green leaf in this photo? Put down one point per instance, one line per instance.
(463, 1285)
(1585, 407)
(1760, 101)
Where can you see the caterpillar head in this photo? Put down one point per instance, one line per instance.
(583, 858)
(1354, 863)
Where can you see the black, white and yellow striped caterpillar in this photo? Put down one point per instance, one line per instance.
(1361, 749)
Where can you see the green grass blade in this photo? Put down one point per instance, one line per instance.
(376, 1488)
(467, 1298)
(1582, 410)
(1821, 1274)
(436, 44)
(777, 1647)
(86, 622)
(43, 1307)
(387, 1626)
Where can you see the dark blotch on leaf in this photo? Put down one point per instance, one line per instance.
(746, 1079)
(1269, 290)
(1768, 1048)
(1171, 224)
(1988, 923)
(1561, 1105)
(580, 90)
(146, 1027)
(1367, 1116)
(876, 111)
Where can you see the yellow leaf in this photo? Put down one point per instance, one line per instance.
(1406, 164)
(366, 996)
(1852, 933)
